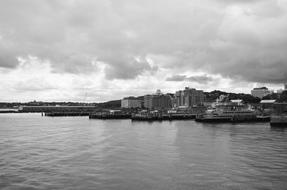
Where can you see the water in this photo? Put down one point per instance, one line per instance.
(77, 153)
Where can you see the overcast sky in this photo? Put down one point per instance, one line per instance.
(98, 50)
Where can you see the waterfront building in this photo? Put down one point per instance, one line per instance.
(158, 101)
(237, 102)
(173, 99)
(260, 92)
(280, 109)
(267, 104)
(222, 98)
(131, 102)
(189, 97)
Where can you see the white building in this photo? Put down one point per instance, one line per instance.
(260, 92)
(237, 101)
(130, 102)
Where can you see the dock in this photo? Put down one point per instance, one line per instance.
(66, 114)
(162, 117)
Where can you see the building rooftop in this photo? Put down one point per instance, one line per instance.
(237, 101)
(261, 88)
(267, 101)
(130, 98)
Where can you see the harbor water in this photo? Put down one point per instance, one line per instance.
(77, 153)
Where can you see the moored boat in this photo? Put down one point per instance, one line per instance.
(231, 112)
(230, 116)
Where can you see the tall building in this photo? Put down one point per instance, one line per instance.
(131, 102)
(157, 101)
(189, 97)
(148, 101)
(260, 92)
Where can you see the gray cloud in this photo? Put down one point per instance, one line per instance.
(7, 59)
(177, 78)
(201, 79)
(229, 38)
(241, 1)
(129, 69)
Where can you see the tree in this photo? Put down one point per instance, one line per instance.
(273, 96)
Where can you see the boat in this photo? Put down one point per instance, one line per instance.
(230, 112)
(228, 116)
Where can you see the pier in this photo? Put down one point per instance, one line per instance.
(66, 114)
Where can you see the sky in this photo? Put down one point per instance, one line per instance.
(100, 50)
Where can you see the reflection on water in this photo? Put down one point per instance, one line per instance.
(77, 153)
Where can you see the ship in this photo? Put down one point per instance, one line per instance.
(229, 116)
(233, 111)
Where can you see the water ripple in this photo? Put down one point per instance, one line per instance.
(77, 153)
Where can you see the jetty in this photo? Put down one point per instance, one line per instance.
(66, 114)
(159, 116)
(110, 114)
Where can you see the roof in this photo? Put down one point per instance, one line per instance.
(130, 98)
(236, 101)
(267, 101)
(261, 88)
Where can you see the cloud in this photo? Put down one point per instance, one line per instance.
(240, 1)
(251, 46)
(177, 78)
(129, 39)
(201, 79)
(128, 68)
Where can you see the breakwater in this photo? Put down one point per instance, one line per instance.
(66, 114)
(142, 116)
(110, 116)
(160, 117)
